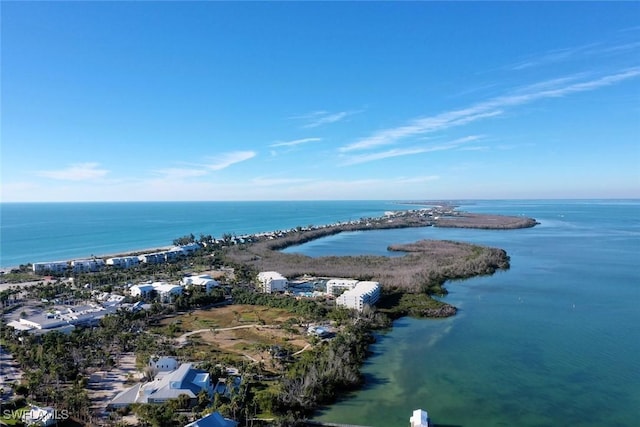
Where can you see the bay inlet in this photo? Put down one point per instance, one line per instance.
(552, 341)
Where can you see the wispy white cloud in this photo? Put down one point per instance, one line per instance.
(574, 53)
(396, 152)
(225, 160)
(295, 142)
(551, 83)
(195, 170)
(76, 172)
(621, 48)
(364, 158)
(319, 118)
(422, 126)
(556, 92)
(553, 56)
(491, 108)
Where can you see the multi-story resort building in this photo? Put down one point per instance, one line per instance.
(164, 290)
(337, 286)
(272, 281)
(123, 262)
(87, 265)
(364, 293)
(97, 264)
(56, 267)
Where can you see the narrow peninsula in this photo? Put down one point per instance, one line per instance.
(86, 334)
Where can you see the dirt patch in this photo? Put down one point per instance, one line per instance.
(103, 386)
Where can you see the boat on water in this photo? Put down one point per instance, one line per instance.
(420, 418)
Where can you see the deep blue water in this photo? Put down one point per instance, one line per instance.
(554, 341)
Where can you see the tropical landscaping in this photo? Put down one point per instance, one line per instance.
(283, 372)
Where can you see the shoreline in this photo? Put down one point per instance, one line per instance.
(273, 242)
(23, 257)
(444, 216)
(6, 270)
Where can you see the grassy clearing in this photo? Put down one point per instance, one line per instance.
(228, 317)
(260, 329)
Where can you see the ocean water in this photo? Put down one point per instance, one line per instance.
(37, 232)
(554, 341)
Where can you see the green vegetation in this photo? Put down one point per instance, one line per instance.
(396, 303)
(425, 267)
(307, 308)
(331, 368)
(276, 383)
(18, 275)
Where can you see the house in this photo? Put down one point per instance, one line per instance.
(50, 267)
(166, 291)
(203, 281)
(113, 300)
(214, 419)
(166, 386)
(419, 418)
(163, 363)
(364, 293)
(272, 281)
(40, 416)
(319, 331)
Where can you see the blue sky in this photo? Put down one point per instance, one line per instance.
(121, 101)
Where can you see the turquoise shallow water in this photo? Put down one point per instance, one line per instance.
(554, 341)
(34, 232)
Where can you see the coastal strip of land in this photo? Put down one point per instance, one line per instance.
(286, 368)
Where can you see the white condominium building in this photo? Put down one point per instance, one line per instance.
(165, 291)
(272, 281)
(364, 293)
(123, 262)
(87, 265)
(336, 286)
(50, 267)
